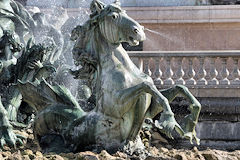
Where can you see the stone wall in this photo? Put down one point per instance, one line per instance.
(219, 123)
(154, 3)
(224, 2)
(126, 3)
(129, 3)
(189, 28)
(218, 126)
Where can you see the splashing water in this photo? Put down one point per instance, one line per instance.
(165, 36)
(57, 15)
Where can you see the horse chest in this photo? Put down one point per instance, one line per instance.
(119, 77)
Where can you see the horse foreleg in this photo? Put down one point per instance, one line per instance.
(190, 121)
(167, 121)
(133, 93)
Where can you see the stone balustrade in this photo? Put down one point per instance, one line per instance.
(206, 73)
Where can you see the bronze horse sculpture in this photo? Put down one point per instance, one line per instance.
(125, 96)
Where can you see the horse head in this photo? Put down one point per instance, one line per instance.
(115, 25)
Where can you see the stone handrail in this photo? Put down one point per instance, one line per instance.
(206, 73)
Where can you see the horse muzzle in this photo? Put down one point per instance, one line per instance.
(137, 35)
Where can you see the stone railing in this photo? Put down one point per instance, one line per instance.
(206, 73)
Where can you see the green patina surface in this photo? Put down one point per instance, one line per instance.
(123, 95)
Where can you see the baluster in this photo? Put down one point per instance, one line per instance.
(213, 72)
(191, 73)
(235, 73)
(202, 73)
(140, 64)
(224, 73)
(174, 63)
(180, 72)
(168, 73)
(231, 76)
(146, 68)
(208, 76)
(157, 73)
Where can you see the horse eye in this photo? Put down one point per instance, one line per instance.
(114, 16)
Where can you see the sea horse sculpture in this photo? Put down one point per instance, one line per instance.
(29, 67)
(125, 96)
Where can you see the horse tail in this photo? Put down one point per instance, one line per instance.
(54, 120)
(56, 111)
(42, 95)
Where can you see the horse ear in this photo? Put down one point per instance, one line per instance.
(117, 2)
(97, 6)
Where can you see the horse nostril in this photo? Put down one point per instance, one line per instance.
(135, 30)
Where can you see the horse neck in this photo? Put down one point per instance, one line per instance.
(103, 47)
(107, 51)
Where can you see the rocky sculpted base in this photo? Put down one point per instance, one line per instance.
(30, 151)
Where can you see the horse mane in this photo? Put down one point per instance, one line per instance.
(84, 53)
(84, 50)
(83, 33)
